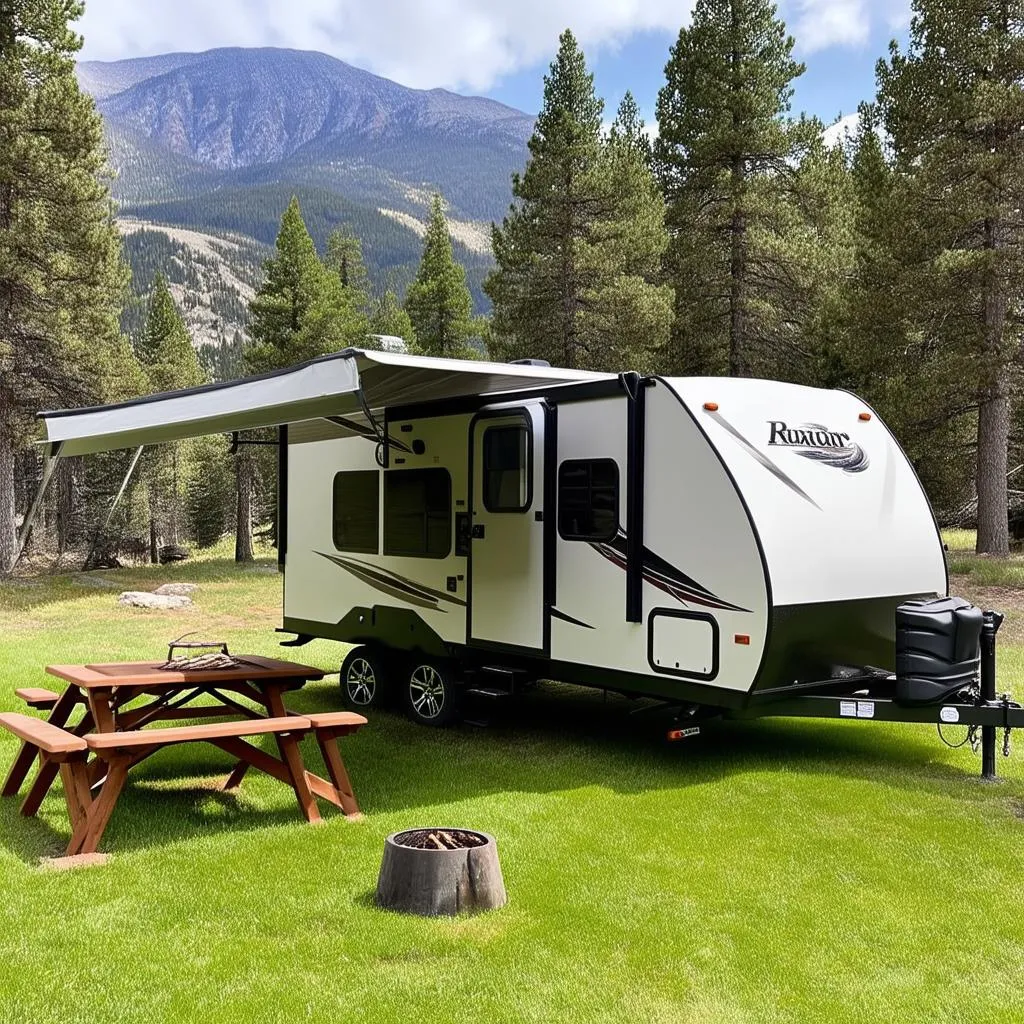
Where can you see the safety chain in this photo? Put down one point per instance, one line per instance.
(972, 738)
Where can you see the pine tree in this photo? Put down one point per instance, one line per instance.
(170, 362)
(579, 254)
(725, 157)
(345, 258)
(539, 284)
(626, 313)
(302, 309)
(61, 274)
(438, 302)
(391, 320)
(953, 105)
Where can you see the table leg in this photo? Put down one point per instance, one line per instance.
(328, 744)
(89, 831)
(292, 757)
(23, 762)
(236, 776)
(100, 704)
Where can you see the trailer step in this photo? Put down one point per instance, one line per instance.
(486, 691)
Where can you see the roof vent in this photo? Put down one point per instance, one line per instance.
(531, 362)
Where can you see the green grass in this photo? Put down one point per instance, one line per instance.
(767, 871)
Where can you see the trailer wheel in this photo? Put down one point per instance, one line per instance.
(431, 694)
(364, 680)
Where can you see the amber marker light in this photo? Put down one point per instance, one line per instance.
(864, 417)
(743, 639)
(711, 406)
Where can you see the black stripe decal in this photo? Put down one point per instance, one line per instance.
(665, 576)
(556, 614)
(393, 584)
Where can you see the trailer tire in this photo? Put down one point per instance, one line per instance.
(364, 679)
(431, 693)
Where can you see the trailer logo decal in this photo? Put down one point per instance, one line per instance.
(393, 585)
(665, 576)
(819, 444)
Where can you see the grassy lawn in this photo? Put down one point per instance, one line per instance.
(772, 871)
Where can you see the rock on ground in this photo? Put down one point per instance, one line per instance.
(140, 599)
(177, 589)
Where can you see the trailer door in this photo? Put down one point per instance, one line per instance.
(506, 564)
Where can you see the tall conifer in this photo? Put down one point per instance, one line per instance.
(438, 302)
(725, 154)
(61, 274)
(953, 105)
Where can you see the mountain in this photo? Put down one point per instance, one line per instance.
(216, 143)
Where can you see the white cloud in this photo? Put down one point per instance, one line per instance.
(819, 24)
(460, 44)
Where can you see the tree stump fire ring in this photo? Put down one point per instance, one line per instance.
(440, 871)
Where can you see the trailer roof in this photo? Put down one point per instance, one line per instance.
(342, 384)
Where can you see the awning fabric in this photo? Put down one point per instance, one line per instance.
(325, 387)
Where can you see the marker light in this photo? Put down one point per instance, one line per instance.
(711, 406)
(742, 638)
(864, 417)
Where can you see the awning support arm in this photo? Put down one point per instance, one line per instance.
(113, 506)
(49, 465)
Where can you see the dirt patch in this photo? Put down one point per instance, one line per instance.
(1008, 600)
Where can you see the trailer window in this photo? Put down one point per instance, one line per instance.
(588, 499)
(418, 513)
(357, 511)
(506, 469)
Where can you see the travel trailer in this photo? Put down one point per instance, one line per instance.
(729, 546)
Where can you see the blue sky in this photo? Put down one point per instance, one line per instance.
(501, 48)
(836, 80)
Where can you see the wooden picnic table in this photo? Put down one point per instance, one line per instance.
(113, 721)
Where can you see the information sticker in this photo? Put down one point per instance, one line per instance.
(949, 715)
(865, 709)
(848, 708)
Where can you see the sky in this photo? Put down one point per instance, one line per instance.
(502, 48)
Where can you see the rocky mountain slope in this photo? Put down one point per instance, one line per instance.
(212, 145)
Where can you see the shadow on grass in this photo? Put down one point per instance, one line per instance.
(553, 739)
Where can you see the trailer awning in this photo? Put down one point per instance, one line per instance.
(338, 385)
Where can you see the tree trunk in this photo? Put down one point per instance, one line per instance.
(737, 296)
(8, 529)
(154, 542)
(243, 506)
(993, 417)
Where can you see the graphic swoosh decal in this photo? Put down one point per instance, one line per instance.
(665, 576)
(763, 459)
(556, 614)
(394, 585)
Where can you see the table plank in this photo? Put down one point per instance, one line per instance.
(150, 673)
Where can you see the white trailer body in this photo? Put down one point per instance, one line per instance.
(700, 540)
(777, 534)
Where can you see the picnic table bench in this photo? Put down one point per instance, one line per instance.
(94, 756)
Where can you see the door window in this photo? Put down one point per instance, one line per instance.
(507, 469)
(588, 499)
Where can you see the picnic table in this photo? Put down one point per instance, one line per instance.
(94, 753)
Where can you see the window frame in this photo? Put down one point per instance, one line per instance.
(357, 549)
(524, 427)
(421, 471)
(589, 538)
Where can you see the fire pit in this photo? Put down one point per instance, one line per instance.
(440, 871)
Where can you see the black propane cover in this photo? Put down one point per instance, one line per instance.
(938, 648)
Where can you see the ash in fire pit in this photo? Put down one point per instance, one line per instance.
(440, 839)
(435, 871)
